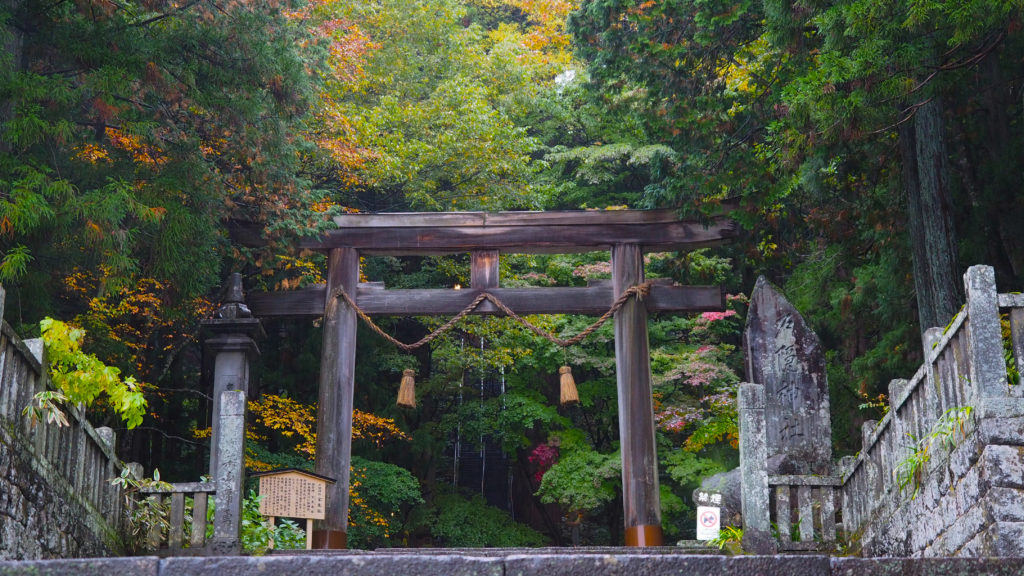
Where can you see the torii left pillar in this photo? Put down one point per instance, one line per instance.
(641, 501)
(337, 389)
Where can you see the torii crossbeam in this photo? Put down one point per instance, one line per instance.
(627, 233)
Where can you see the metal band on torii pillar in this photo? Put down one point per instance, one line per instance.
(337, 388)
(641, 500)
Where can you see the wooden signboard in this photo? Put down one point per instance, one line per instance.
(294, 493)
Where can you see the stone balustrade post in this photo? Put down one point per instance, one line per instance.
(989, 385)
(109, 500)
(754, 501)
(230, 475)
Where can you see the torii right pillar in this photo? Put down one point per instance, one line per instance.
(641, 500)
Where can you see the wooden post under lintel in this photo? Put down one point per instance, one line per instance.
(483, 269)
(337, 387)
(483, 274)
(641, 500)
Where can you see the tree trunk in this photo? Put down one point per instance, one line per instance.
(930, 215)
(1003, 203)
(914, 225)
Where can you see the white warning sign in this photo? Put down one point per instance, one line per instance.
(707, 522)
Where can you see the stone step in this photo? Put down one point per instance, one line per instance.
(622, 562)
(684, 547)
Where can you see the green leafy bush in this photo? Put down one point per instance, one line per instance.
(258, 532)
(581, 480)
(382, 496)
(472, 523)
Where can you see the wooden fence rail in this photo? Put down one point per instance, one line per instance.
(189, 503)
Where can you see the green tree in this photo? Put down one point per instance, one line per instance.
(676, 58)
(384, 497)
(582, 480)
(470, 522)
(434, 107)
(134, 131)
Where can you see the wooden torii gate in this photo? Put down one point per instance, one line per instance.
(628, 234)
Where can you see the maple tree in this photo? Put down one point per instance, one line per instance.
(135, 327)
(291, 418)
(82, 379)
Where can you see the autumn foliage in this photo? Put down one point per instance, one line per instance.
(294, 420)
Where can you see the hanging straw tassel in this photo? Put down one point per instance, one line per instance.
(407, 391)
(568, 387)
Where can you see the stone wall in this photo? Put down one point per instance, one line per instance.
(56, 500)
(968, 498)
(969, 501)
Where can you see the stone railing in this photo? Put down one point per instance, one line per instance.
(803, 511)
(57, 478)
(964, 367)
(940, 474)
(226, 490)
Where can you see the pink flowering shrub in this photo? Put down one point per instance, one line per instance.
(543, 457)
(701, 402)
(704, 367)
(539, 279)
(715, 316)
(697, 384)
(596, 270)
(675, 419)
(719, 326)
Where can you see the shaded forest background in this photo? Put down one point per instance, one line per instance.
(870, 149)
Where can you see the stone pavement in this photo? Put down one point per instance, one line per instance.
(496, 562)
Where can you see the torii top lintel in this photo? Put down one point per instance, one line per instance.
(561, 232)
(486, 234)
